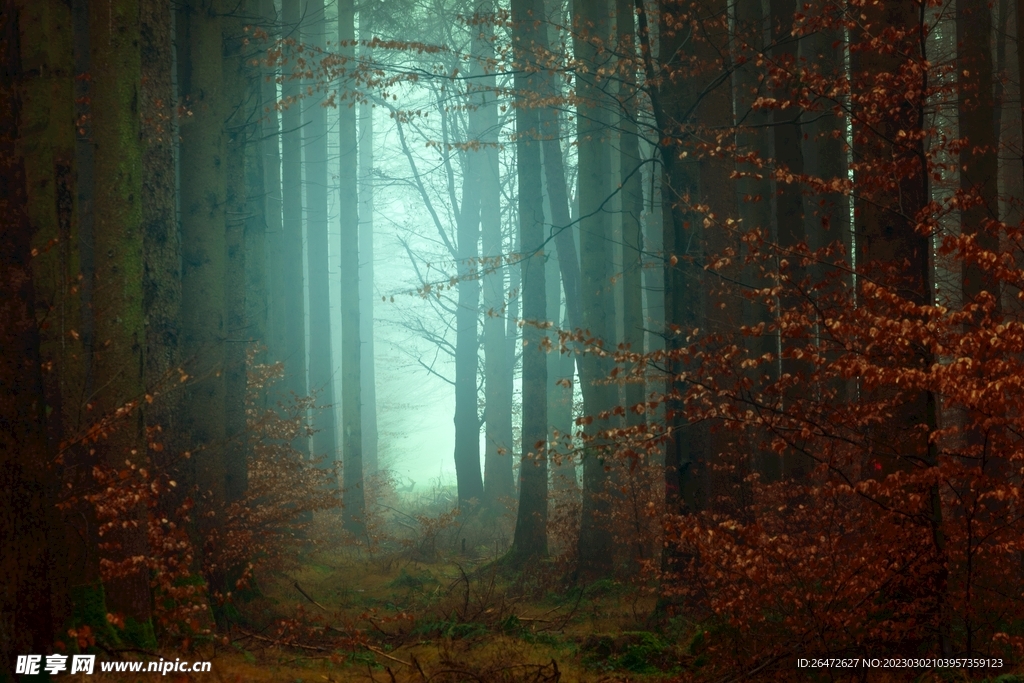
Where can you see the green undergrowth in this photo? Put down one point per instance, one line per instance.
(458, 618)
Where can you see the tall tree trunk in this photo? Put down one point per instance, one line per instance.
(48, 149)
(118, 284)
(530, 540)
(827, 220)
(204, 250)
(754, 199)
(717, 489)
(886, 229)
(591, 29)
(976, 112)
(257, 304)
(292, 235)
(368, 370)
(467, 347)
(26, 618)
(352, 446)
(276, 249)
(789, 210)
(314, 147)
(162, 250)
(632, 194)
(498, 476)
(81, 533)
(563, 229)
(235, 93)
(672, 101)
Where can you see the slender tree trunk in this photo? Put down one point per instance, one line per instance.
(234, 90)
(314, 147)
(48, 149)
(354, 496)
(530, 538)
(366, 286)
(276, 263)
(162, 250)
(682, 234)
(789, 212)
(827, 219)
(632, 194)
(257, 304)
(26, 615)
(467, 347)
(498, 476)
(754, 199)
(119, 359)
(204, 254)
(886, 229)
(718, 489)
(292, 235)
(563, 230)
(976, 112)
(591, 29)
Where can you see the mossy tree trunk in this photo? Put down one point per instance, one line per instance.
(119, 360)
(161, 247)
(48, 149)
(203, 164)
(239, 109)
(26, 615)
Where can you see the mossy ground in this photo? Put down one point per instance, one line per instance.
(335, 612)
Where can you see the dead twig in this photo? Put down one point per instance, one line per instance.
(307, 596)
(278, 643)
(387, 656)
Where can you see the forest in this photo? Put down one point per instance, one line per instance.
(512, 341)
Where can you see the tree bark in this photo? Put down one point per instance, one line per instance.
(203, 192)
(234, 89)
(367, 291)
(498, 477)
(632, 194)
(976, 112)
(530, 539)
(754, 201)
(354, 495)
(119, 359)
(292, 235)
(591, 30)
(276, 264)
(467, 347)
(314, 148)
(26, 618)
(789, 214)
(47, 142)
(162, 249)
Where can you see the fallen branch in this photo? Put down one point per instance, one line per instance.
(307, 596)
(387, 656)
(279, 643)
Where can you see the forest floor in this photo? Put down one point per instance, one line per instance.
(422, 608)
(428, 607)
